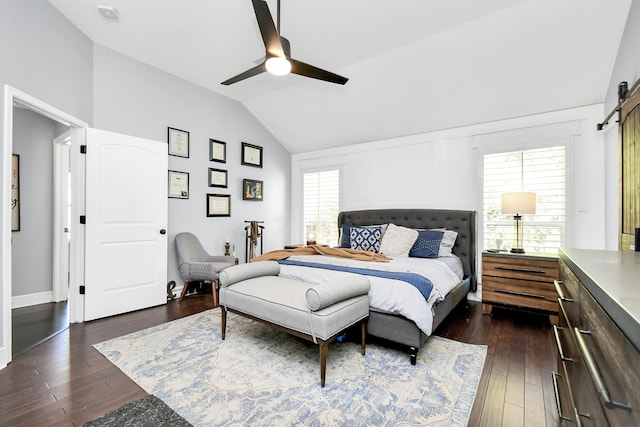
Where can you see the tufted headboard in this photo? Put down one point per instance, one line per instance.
(463, 222)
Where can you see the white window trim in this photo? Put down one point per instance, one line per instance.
(502, 147)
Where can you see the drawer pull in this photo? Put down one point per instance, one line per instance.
(557, 284)
(521, 270)
(559, 344)
(522, 294)
(556, 393)
(594, 373)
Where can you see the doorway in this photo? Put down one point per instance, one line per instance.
(15, 98)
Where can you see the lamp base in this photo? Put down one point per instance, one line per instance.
(517, 250)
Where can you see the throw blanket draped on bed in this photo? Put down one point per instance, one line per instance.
(421, 283)
(322, 250)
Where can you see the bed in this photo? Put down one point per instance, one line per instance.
(410, 330)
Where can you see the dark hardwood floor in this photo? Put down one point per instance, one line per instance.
(35, 324)
(65, 382)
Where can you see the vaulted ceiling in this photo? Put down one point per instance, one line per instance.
(414, 66)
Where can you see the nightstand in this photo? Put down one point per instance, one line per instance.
(522, 281)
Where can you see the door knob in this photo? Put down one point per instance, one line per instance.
(163, 231)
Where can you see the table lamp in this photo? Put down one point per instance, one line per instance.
(517, 204)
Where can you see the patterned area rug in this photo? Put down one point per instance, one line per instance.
(258, 376)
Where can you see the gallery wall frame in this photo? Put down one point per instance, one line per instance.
(218, 178)
(218, 205)
(15, 192)
(178, 140)
(178, 185)
(252, 189)
(251, 155)
(217, 151)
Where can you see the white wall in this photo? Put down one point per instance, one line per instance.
(136, 99)
(32, 246)
(440, 169)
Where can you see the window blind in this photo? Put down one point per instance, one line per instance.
(321, 206)
(539, 170)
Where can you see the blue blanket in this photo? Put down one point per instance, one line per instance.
(423, 284)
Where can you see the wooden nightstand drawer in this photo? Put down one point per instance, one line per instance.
(540, 296)
(525, 269)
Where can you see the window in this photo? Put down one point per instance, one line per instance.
(321, 206)
(539, 170)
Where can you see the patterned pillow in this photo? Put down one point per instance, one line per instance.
(365, 239)
(427, 245)
(448, 240)
(398, 241)
(345, 233)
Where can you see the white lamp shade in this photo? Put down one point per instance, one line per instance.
(519, 203)
(278, 66)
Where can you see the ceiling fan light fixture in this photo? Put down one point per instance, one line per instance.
(278, 66)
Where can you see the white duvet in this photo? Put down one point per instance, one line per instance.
(388, 295)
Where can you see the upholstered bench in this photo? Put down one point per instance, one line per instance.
(318, 313)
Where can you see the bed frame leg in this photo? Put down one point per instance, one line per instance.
(413, 354)
(224, 321)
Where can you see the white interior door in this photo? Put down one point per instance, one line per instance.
(126, 221)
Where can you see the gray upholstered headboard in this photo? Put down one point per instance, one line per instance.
(464, 222)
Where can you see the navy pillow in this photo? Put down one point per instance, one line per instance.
(427, 245)
(345, 241)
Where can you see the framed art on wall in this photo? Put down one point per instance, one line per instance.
(218, 205)
(15, 193)
(251, 155)
(178, 142)
(178, 185)
(217, 151)
(217, 178)
(252, 189)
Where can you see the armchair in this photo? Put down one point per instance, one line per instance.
(195, 264)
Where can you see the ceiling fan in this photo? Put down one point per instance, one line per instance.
(278, 58)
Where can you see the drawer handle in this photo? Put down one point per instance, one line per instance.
(557, 284)
(556, 334)
(521, 270)
(594, 373)
(522, 294)
(556, 393)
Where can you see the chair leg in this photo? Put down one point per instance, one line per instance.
(224, 322)
(184, 291)
(214, 292)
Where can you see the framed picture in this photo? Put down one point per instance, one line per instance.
(15, 192)
(217, 151)
(178, 142)
(217, 178)
(218, 205)
(178, 185)
(252, 189)
(251, 155)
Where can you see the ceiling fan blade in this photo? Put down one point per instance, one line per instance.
(268, 30)
(302, 69)
(246, 74)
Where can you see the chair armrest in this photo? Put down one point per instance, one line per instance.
(326, 294)
(241, 272)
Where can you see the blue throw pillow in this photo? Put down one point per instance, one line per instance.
(366, 239)
(345, 236)
(427, 245)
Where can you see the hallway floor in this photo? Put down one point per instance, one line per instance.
(35, 324)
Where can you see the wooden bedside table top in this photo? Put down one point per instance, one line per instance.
(530, 255)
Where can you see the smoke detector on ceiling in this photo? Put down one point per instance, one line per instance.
(108, 12)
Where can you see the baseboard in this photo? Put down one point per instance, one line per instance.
(477, 295)
(31, 299)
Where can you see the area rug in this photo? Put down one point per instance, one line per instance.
(259, 376)
(144, 412)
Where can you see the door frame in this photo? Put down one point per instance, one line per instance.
(13, 97)
(61, 253)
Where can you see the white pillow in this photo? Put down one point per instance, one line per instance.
(448, 240)
(398, 241)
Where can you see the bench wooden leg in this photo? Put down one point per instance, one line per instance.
(364, 335)
(214, 292)
(323, 362)
(224, 321)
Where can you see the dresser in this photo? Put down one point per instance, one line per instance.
(522, 281)
(597, 381)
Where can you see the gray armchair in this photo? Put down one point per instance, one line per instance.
(196, 265)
